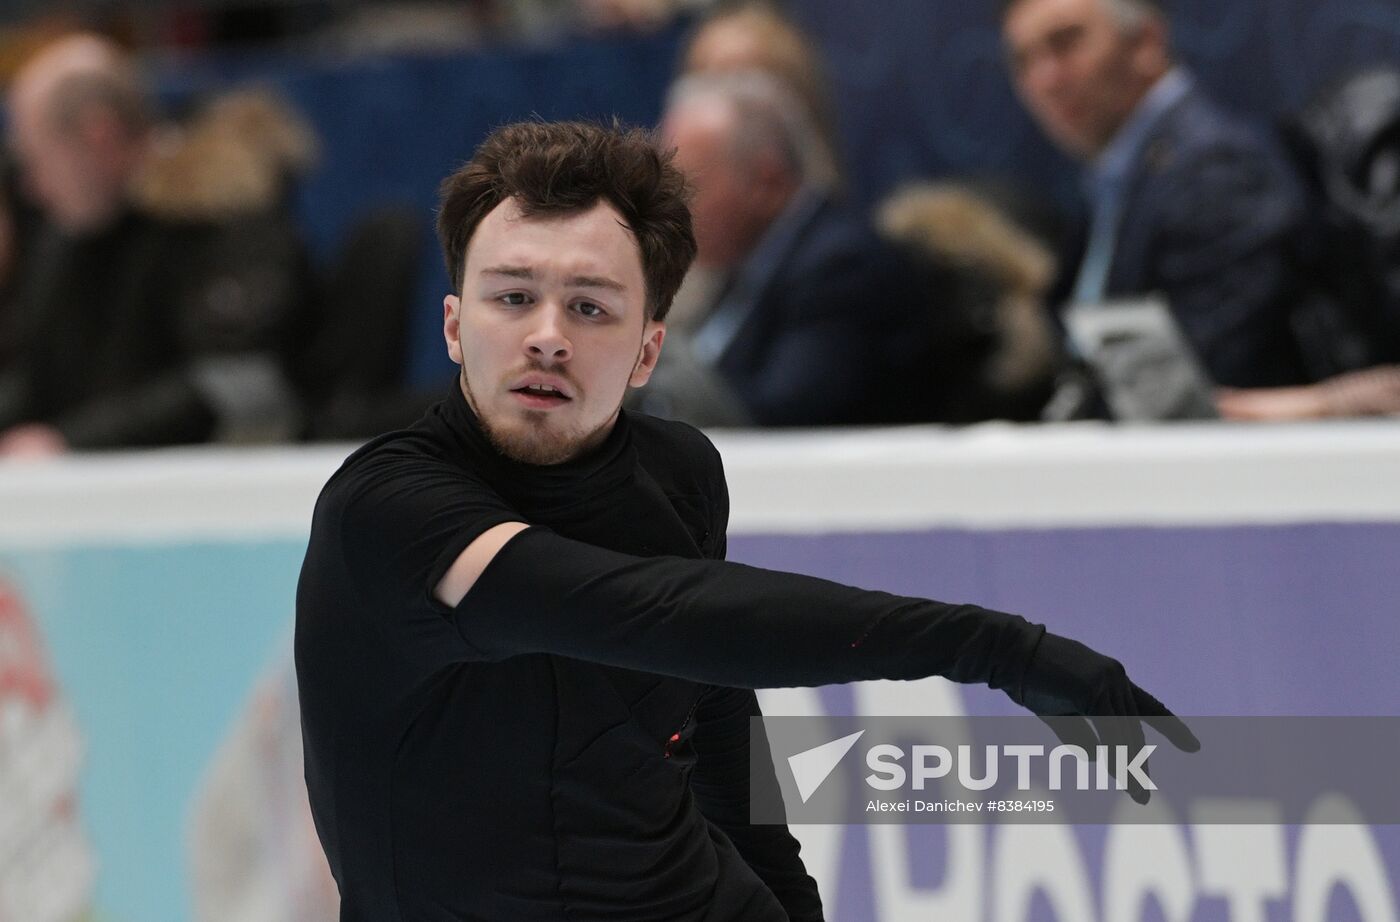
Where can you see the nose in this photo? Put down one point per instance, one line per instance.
(546, 340)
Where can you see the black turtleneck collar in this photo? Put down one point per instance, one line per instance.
(556, 488)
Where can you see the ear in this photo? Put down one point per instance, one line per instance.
(1152, 53)
(452, 326)
(774, 183)
(653, 334)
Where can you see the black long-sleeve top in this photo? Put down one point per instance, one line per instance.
(571, 741)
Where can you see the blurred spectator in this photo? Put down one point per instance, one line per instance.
(16, 231)
(1347, 142)
(1186, 201)
(813, 319)
(163, 282)
(349, 361)
(757, 37)
(81, 126)
(1371, 392)
(753, 37)
(993, 349)
(226, 180)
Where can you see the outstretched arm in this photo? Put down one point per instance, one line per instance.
(717, 622)
(730, 624)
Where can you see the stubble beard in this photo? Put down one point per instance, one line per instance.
(535, 441)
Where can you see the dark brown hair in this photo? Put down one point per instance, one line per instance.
(559, 167)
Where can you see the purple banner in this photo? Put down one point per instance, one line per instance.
(1295, 620)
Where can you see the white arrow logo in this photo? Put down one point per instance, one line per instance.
(812, 767)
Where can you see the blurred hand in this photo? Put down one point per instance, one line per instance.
(32, 440)
(1089, 701)
(1272, 403)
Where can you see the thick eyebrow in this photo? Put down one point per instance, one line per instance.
(576, 281)
(594, 281)
(514, 272)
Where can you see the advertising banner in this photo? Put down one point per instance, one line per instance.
(150, 764)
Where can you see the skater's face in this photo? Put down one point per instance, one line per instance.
(551, 328)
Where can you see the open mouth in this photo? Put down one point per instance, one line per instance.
(540, 395)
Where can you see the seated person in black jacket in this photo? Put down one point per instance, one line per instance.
(525, 670)
(151, 312)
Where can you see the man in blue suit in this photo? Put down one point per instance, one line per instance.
(1186, 201)
(812, 318)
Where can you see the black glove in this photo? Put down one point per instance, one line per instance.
(1088, 700)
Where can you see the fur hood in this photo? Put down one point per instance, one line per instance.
(237, 155)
